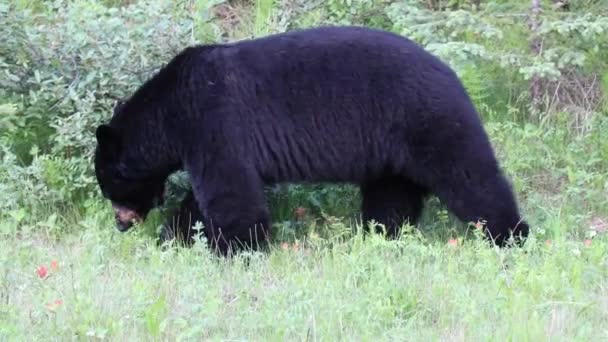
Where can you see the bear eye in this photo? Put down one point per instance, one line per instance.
(121, 178)
(121, 174)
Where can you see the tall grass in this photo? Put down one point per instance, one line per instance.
(97, 284)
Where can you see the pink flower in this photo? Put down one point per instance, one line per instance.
(453, 242)
(42, 271)
(53, 306)
(54, 265)
(587, 242)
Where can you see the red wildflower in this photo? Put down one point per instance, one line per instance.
(453, 242)
(54, 265)
(42, 272)
(53, 306)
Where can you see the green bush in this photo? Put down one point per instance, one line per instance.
(65, 65)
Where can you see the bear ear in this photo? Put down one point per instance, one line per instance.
(118, 106)
(104, 133)
(108, 140)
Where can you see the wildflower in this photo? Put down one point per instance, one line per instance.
(55, 305)
(587, 242)
(54, 265)
(284, 246)
(453, 242)
(548, 243)
(42, 272)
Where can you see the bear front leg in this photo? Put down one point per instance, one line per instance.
(231, 199)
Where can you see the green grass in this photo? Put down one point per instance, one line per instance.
(336, 286)
(122, 287)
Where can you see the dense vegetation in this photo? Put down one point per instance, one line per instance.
(537, 71)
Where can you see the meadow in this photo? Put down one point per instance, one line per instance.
(66, 273)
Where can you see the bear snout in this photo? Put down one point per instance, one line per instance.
(125, 218)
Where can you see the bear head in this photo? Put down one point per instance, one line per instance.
(133, 194)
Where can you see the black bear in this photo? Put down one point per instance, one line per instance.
(328, 104)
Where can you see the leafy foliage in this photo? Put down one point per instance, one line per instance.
(63, 69)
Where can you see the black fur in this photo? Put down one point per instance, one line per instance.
(332, 104)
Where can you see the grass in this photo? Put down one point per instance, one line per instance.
(122, 287)
(441, 282)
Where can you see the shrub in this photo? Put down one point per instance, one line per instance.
(64, 66)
